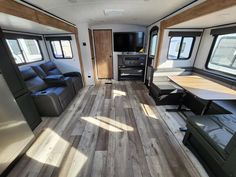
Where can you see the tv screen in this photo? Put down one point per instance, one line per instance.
(128, 41)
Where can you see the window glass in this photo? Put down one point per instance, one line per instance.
(180, 48)
(174, 48)
(186, 47)
(57, 51)
(61, 49)
(15, 50)
(153, 45)
(30, 50)
(24, 50)
(223, 56)
(66, 49)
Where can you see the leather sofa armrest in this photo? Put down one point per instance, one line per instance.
(47, 103)
(57, 80)
(231, 145)
(72, 74)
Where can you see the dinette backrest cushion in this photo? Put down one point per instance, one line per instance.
(50, 68)
(33, 82)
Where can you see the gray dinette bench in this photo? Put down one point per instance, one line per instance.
(212, 138)
(165, 92)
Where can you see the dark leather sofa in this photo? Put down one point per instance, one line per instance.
(213, 139)
(51, 95)
(49, 68)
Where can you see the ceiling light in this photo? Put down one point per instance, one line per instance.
(72, 1)
(113, 12)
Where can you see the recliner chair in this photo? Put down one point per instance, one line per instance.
(51, 69)
(50, 99)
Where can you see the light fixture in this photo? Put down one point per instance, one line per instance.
(113, 12)
(72, 1)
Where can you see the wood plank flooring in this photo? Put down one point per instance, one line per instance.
(110, 130)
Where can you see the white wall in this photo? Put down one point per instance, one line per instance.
(86, 52)
(166, 63)
(66, 65)
(119, 28)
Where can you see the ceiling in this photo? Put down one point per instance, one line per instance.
(221, 17)
(139, 12)
(19, 24)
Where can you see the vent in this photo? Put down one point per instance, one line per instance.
(113, 12)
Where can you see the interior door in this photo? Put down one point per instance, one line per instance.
(103, 52)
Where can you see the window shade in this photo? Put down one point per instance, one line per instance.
(221, 31)
(55, 38)
(185, 33)
(23, 36)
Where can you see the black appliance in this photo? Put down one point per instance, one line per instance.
(131, 67)
(128, 41)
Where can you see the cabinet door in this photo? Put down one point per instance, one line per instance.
(10, 70)
(29, 110)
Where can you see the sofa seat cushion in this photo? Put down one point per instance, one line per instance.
(216, 129)
(63, 94)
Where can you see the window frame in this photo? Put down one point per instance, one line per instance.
(209, 58)
(22, 53)
(63, 57)
(153, 32)
(180, 47)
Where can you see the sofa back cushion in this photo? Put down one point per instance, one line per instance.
(39, 71)
(33, 82)
(50, 68)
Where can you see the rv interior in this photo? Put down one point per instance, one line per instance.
(117, 88)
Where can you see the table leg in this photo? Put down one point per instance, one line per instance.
(206, 108)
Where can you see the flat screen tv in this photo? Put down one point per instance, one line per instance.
(128, 41)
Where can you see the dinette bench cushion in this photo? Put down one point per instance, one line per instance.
(213, 139)
(216, 129)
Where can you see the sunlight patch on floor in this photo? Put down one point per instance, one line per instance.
(77, 164)
(118, 93)
(108, 124)
(116, 123)
(50, 149)
(45, 150)
(148, 111)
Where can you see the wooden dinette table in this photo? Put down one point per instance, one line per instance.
(203, 89)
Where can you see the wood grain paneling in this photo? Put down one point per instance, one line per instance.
(204, 88)
(110, 131)
(207, 7)
(13, 8)
(103, 52)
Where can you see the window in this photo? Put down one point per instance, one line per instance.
(25, 50)
(180, 48)
(153, 44)
(61, 49)
(223, 55)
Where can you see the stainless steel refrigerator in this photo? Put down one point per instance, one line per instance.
(15, 134)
